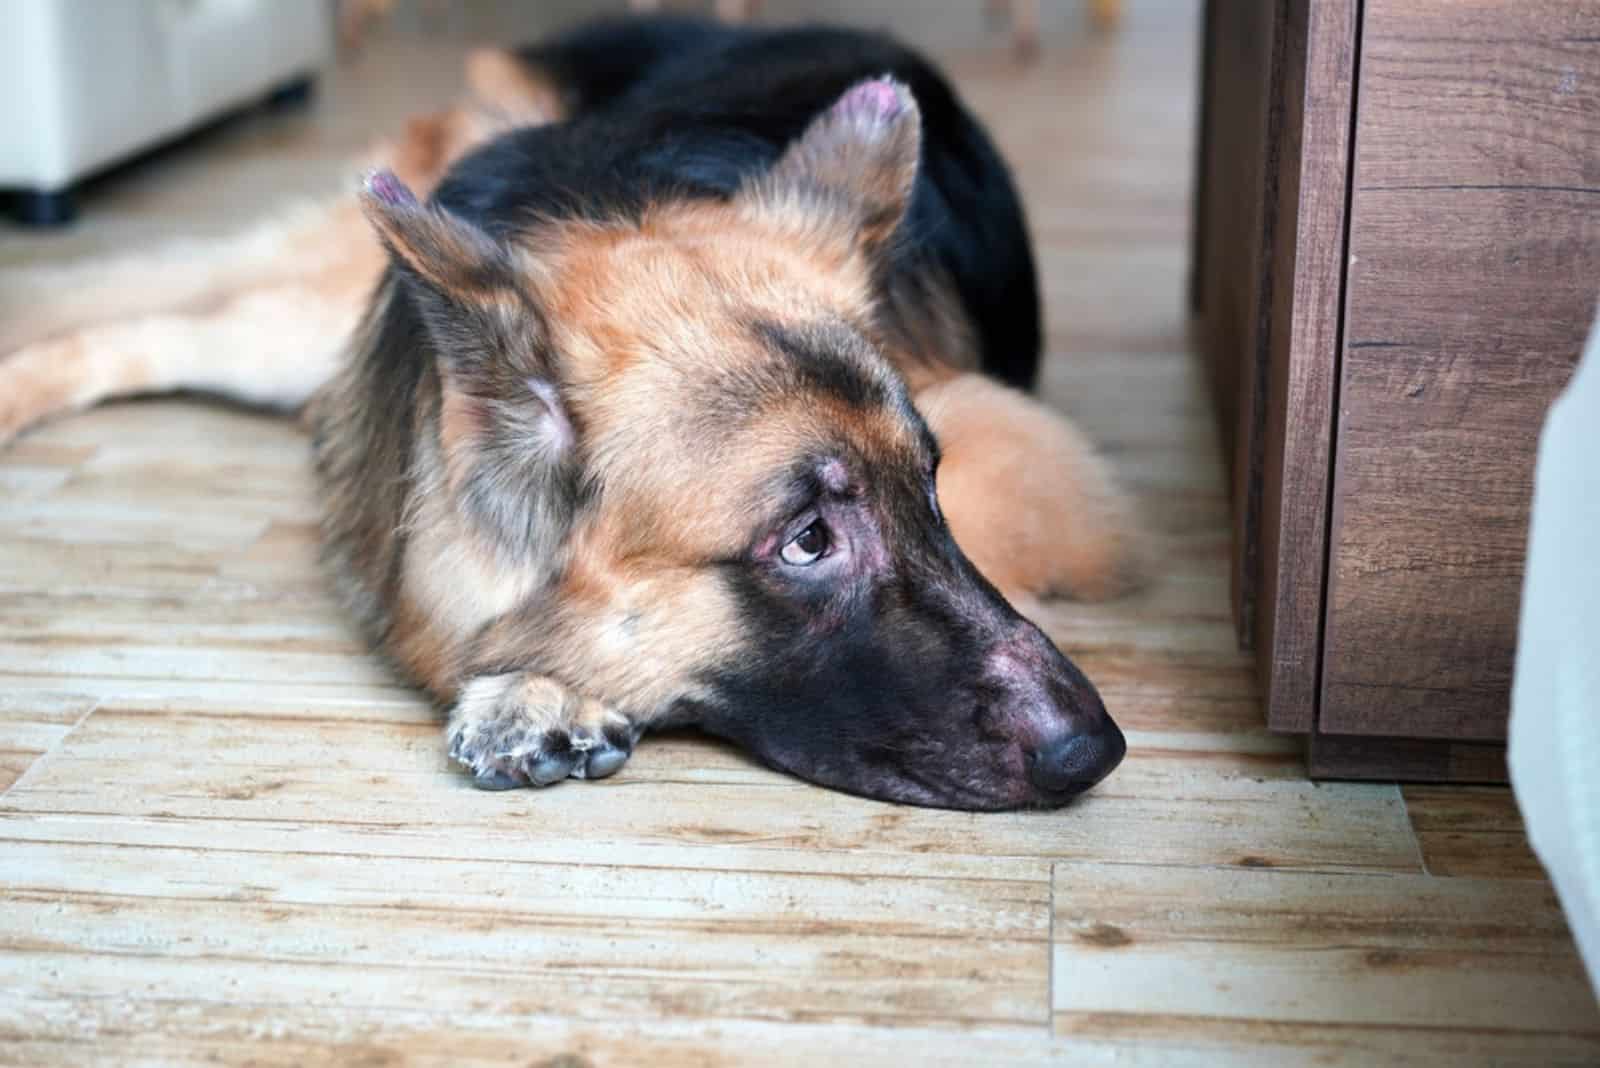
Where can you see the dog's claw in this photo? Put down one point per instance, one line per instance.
(496, 780)
(552, 769)
(603, 762)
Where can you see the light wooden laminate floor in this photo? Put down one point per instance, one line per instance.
(227, 834)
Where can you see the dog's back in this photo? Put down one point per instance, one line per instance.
(670, 107)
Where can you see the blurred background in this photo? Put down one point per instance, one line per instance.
(132, 120)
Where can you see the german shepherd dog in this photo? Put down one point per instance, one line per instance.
(690, 394)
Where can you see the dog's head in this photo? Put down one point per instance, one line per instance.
(691, 420)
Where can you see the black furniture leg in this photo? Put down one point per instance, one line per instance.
(292, 95)
(41, 207)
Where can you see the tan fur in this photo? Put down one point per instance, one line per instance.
(632, 310)
(1026, 495)
(631, 633)
(536, 704)
(453, 583)
(503, 83)
(854, 149)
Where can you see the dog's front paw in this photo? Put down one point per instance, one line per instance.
(527, 730)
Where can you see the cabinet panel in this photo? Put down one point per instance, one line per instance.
(1312, 156)
(1474, 266)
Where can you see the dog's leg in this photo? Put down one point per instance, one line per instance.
(270, 347)
(527, 730)
(1025, 495)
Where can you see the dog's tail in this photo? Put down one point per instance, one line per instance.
(262, 317)
(259, 318)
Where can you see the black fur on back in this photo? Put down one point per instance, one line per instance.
(667, 107)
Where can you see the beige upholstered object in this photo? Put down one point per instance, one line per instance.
(1555, 700)
(85, 83)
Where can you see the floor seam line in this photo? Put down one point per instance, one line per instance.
(54, 747)
(1050, 982)
(1411, 831)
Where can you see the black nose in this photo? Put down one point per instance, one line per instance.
(1074, 762)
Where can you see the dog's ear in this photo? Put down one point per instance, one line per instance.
(471, 290)
(856, 163)
(454, 258)
(509, 444)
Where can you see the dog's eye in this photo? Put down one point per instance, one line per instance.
(808, 546)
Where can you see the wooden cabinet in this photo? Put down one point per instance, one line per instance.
(1397, 257)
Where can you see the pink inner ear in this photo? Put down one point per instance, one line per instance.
(388, 188)
(878, 99)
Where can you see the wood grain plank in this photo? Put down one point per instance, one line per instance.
(1215, 801)
(1471, 831)
(138, 1027)
(1392, 956)
(1212, 1040)
(42, 564)
(513, 840)
(13, 765)
(33, 723)
(133, 613)
(581, 892)
(407, 810)
(1475, 242)
(716, 944)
